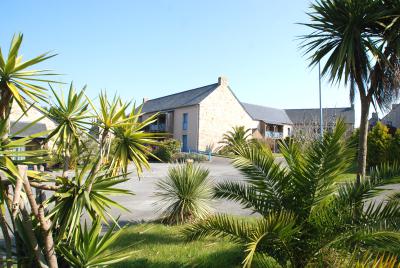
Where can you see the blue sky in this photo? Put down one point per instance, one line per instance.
(154, 48)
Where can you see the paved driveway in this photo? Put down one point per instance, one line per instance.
(141, 205)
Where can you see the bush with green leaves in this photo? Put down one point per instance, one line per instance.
(182, 157)
(166, 150)
(185, 194)
(379, 141)
(305, 212)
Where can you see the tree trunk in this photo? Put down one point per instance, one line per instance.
(362, 142)
(48, 239)
(7, 238)
(67, 159)
(44, 224)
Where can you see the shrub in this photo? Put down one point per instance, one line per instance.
(167, 149)
(184, 194)
(182, 157)
(379, 141)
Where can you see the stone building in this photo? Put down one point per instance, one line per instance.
(392, 119)
(200, 117)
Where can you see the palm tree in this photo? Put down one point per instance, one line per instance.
(17, 83)
(238, 135)
(360, 40)
(184, 194)
(304, 211)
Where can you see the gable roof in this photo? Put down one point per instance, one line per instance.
(299, 116)
(267, 114)
(181, 99)
(16, 127)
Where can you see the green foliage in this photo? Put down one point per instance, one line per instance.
(394, 147)
(16, 82)
(236, 137)
(182, 157)
(39, 226)
(379, 142)
(184, 194)
(382, 146)
(131, 143)
(167, 149)
(71, 115)
(305, 210)
(88, 248)
(74, 198)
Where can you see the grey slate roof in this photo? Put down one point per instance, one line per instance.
(299, 116)
(267, 114)
(33, 129)
(181, 99)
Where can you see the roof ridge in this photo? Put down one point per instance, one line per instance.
(347, 107)
(182, 92)
(246, 103)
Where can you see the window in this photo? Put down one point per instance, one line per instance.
(185, 121)
(288, 131)
(18, 150)
(184, 143)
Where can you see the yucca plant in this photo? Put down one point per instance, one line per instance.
(90, 248)
(304, 210)
(110, 114)
(72, 117)
(130, 143)
(185, 194)
(73, 198)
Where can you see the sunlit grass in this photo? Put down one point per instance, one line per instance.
(158, 245)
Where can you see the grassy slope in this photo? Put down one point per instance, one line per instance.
(157, 245)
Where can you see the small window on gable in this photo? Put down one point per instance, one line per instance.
(185, 121)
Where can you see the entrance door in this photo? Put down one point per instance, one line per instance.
(184, 143)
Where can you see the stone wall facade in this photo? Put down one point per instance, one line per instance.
(219, 113)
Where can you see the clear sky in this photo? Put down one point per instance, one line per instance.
(154, 48)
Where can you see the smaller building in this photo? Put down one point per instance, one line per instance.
(21, 126)
(306, 122)
(392, 119)
(272, 123)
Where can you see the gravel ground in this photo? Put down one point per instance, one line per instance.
(142, 204)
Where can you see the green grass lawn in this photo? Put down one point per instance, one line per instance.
(157, 245)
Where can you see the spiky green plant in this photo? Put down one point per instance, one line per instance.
(16, 82)
(71, 115)
(110, 114)
(73, 198)
(89, 247)
(185, 194)
(238, 135)
(303, 209)
(131, 143)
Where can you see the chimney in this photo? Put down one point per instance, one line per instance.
(222, 81)
(145, 99)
